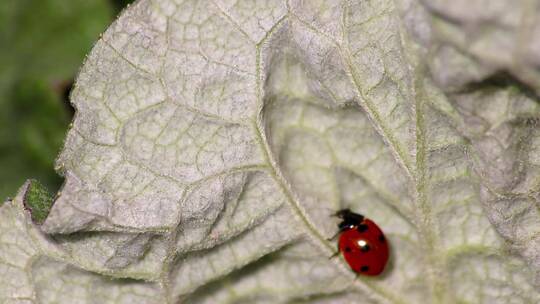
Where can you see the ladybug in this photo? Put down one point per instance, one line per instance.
(362, 243)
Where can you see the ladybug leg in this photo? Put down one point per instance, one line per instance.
(342, 227)
(334, 255)
(357, 276)
(334, 236)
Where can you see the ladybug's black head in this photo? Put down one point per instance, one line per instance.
(348, 218)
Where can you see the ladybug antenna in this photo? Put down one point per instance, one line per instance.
(342, 213)
(332, 211)
(327, 209)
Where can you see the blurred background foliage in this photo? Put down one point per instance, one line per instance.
(42, 46)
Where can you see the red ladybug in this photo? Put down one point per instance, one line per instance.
(362, 243)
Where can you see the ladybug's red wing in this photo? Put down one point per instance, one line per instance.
(365, 248)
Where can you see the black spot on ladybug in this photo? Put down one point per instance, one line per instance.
(362, 228)
(382, 238)
(348, 249)
(364, 268)
(365, 248)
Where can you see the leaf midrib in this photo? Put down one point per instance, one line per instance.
(328, 250)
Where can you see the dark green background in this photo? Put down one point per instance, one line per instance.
(42, 45)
